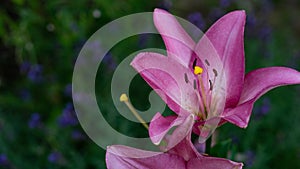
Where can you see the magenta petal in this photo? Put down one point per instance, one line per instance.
(168, 78)
(178, 43)
(257, 83)
(260, 81)
(198, 126)
(212, 163)
(239, 115)
(226, 36)
(122, 157)
(182, 131)
(185, 149)
(160, 126)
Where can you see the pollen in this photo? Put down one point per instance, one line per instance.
(198, 70)
(123, 98)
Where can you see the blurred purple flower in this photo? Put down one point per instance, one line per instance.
(197, 19)
(78, 45)
(68, 90)
(25, 95)
(54, 157)
(109, 61)
(265, 33)
(225, 3)
(250, 158)
(263, 109)
(251, 20)
(215, 14)
(235, 139)
(3, 160)
(165, 4)
(267, 6)
(24, 67)
(35, 73)
(68, 116)
(34, 121)
(142, 40)
(78, 135)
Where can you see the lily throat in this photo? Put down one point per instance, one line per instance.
(204, 87)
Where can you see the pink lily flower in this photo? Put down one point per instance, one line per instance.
(182, 156)
(206, 79)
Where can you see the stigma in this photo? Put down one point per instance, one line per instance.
(198, 70)
(123, 98)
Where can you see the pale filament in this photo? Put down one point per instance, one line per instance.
(124, 98)
(204, 96)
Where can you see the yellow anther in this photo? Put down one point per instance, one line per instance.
(198, 70)
(123, 98)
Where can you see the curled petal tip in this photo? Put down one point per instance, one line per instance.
(238, 12)
(156, 10)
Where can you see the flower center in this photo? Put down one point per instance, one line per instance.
(201, 95)
(204, 91)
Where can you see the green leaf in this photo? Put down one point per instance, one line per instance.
(221, 149)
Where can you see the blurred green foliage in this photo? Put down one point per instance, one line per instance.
(40, 41)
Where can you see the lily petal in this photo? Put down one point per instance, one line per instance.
(172, 81)
(185, 149)
(178, 43)
(118, 156)
(180, 133)
(212, 163)
(160, 126)
(239, 115)
(257, 83)
(260, 81)
(226, 37)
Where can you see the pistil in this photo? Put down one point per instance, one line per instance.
(202, 91)
(124, 98)
(198, 71)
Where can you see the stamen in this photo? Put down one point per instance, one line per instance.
(124, 98)
(186, 78)
(215, 72)
(206, 61)
(198, 70)
(210, 85)
(201, 114)
(195, 84)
